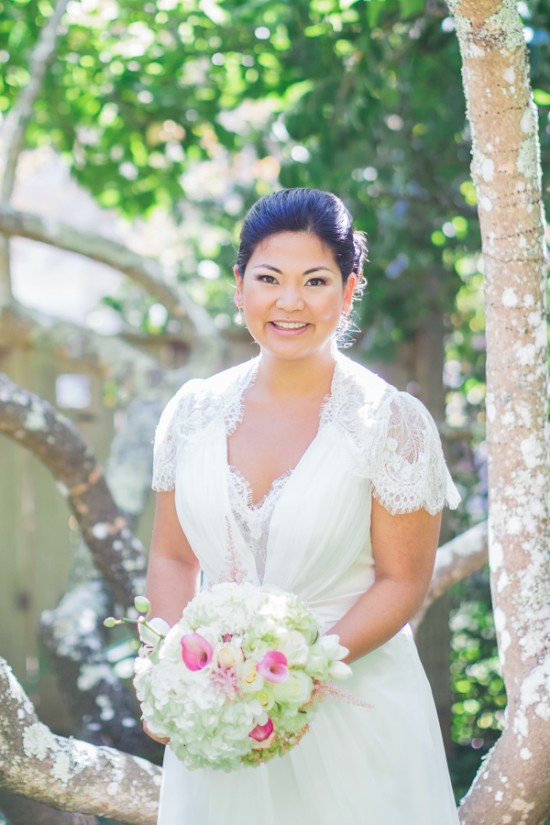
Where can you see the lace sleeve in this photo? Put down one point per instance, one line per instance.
(172, 426)
(409, 471)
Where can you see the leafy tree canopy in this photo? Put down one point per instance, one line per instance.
(197, 107)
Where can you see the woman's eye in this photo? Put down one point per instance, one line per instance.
(266, 279)
(316, 282)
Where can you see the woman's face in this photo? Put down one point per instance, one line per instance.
(293, 295)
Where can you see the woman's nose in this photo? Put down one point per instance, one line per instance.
(290, 299)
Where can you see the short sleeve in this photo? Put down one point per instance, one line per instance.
(409, 471)
(165, 448)
(176, 422)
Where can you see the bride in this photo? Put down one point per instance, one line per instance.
(302, 469)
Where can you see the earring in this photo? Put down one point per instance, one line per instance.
(239, 318)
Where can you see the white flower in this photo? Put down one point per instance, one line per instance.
(339, 670)
(330, 645)
(228, 655)
(296, 689)
(249, 678)
(317, 663)
(293, 644)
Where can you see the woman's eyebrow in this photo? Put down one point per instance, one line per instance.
(306, 272)
(317, 269)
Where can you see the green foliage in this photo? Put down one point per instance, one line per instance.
(476, 679)
(182, 105)
(479, 696)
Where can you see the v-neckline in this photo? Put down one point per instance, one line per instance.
(237, 416)
(276, 486)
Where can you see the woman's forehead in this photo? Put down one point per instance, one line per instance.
(297, 246)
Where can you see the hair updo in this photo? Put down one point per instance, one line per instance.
(306, 210)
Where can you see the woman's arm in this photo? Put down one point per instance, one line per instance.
(173, 570)
(404, 551)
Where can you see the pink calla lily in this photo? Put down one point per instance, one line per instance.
(196, 651)
(273, 666)
(262, 732)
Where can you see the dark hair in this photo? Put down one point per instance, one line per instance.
(306, 210)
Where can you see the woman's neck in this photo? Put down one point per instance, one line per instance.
(303, 377)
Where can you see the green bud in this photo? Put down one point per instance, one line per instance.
(142, 604)
(110, 621)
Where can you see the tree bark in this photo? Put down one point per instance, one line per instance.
(15, 126)
(33, 422)
(101, 706)
(513, 784)
(68, 773)
(134, 372)
(13, 132)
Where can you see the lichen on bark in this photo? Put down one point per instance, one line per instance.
(513, 785)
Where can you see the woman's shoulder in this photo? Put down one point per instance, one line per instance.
(376, 397)
(215, 385)
(397, 444)
(369, 392)
(200, 400)
(374, 413)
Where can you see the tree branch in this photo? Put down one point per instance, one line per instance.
(33, 422)
(68, 773)
(134, 372)
(15, 125)
(455, 561)
(99, 701)
(12, 134)
(146, 272)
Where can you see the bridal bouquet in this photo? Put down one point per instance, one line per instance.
(238, 678)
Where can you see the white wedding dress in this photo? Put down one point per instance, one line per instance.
(377, 765)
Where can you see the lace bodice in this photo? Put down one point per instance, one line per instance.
(388, 436)
(253, 519)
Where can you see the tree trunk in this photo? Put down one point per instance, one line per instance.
(513, 784)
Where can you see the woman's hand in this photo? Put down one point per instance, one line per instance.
(159, 739)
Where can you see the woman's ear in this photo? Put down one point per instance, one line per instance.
(238, 297)
(349, 289)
